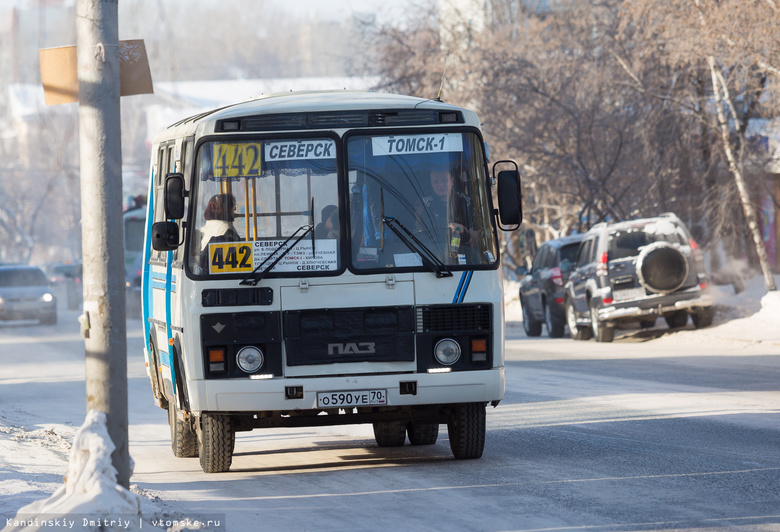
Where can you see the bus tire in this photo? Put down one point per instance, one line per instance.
(216, 441)
(466, 429)
(184, 441)
(422, 433)
(390, 433)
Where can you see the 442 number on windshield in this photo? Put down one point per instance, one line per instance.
(230, 258)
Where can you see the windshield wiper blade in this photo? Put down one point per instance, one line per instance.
(254, 277)
(428, 257)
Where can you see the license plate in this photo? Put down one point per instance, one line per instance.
(351, 398)
(631, 293)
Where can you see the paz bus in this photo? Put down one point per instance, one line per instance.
(297, 273)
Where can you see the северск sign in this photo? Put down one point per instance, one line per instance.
(305, 149)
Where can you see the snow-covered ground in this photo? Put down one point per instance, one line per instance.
(33, 494)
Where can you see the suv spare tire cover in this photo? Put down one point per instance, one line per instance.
(661, 268)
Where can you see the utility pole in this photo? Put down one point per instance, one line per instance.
(97, 44)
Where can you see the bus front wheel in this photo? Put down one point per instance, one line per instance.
(466, 429)
(216, 441)
(184, 441)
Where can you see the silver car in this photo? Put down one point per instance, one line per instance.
(25, 293)
(637, 271)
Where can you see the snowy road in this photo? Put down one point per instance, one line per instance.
(675, 432)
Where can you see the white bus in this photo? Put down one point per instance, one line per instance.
(326, 258)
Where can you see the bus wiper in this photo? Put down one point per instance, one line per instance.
(254, 277)
(428, 257)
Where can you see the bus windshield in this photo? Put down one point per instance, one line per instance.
(416, 202)
(261, 192)
(417, 195)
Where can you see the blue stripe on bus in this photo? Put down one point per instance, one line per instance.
(161, 281)
(168, 331)
(463, 286)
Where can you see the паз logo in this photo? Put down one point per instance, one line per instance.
(352, 348)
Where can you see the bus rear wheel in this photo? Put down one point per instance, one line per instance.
(466, 429)
(216, 441)
(422, 433)
(390, 433)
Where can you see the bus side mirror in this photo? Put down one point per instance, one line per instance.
(510, 198)
(174, 196)
(165, 236)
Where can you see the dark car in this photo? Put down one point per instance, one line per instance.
(68, 275)
(133, 287)
(541, 289)
(634, 272)
(25, 293)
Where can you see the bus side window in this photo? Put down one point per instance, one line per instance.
(186, 155)
(159, 181)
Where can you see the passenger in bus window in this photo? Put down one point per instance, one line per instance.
(447, 208)
(219, 214)
(329, 226)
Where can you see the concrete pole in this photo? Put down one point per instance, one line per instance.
(101, 221)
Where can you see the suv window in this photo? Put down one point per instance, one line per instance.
(583, 257)
(541, 257)
(549, 258)
(569, 252)
(627, 243)
(23, 277)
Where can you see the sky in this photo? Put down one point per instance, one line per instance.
(340, 9)
(32, 460)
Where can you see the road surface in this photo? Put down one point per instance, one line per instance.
(649, 432)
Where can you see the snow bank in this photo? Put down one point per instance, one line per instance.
(770, 306)
(512, 310)
(90, 499)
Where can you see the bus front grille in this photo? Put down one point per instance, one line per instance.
(444, 318)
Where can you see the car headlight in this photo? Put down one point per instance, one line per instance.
(447, 351)
(249, 359)
(47, 298)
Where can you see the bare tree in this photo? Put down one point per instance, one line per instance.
(736, 43)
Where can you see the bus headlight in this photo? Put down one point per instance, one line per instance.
(447, 351)
(249, 359)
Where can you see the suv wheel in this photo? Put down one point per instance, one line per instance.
(601, 332)
(530, 325)
(703, 317)
(677, 319)
(554, 324)
(576, 332)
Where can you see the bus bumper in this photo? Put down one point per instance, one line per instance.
(273, 395)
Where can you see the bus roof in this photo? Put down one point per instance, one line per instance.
(307, 102)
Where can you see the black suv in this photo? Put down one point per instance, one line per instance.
(541, 289)
(636, 271)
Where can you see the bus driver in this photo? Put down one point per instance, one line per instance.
(446, 207)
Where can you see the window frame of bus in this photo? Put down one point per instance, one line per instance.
(268, 136)
(491, 216)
